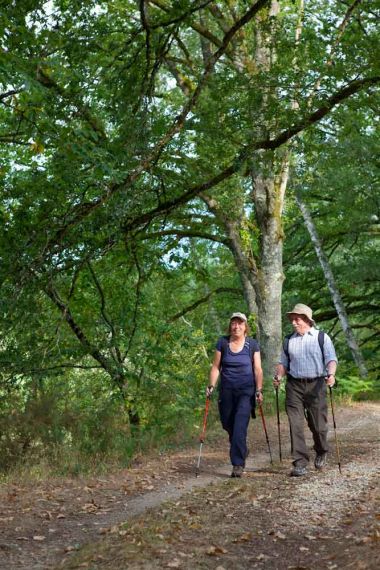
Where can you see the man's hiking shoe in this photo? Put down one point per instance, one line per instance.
(298, 471)
(320, 461)
(237, 471)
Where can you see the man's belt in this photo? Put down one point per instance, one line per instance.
(305, 379)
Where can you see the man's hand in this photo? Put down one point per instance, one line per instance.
(209, 391)
(259, 396)
(330, 380)
(276, 381)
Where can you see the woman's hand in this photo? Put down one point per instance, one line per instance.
(209, 391)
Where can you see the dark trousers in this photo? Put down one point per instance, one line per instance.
(310, 399)
(235, 411)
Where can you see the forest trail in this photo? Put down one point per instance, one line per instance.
(265, 520)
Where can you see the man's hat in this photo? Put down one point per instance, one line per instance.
(300, 309)
(240, 316)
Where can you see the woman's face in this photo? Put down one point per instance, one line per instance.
(237, 327)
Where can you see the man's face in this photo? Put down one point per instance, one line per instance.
(300, 323)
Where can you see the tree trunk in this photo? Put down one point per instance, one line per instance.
(268, 197)
(336, 297)
(245, 265)
(268, 190)
(243, 257)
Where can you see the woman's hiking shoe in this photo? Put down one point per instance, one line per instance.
(320, 461)
(237, 471)
(298, 471)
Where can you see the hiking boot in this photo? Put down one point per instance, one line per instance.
(320, 461)
(298, 471)
(237, 471)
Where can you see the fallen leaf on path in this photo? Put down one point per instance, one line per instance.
(90, 508)
(39, 537)
(364, 540)
(214, 550)
(174, 563)
(244, 537)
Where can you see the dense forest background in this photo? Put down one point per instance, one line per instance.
(163, 164)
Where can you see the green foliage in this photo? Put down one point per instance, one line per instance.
(115, 278)
(357, 388)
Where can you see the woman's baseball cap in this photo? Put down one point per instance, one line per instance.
(240, 316)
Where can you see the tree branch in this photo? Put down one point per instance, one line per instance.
(66, 313)
(106, 318)
(178, 19)
(83, 210)
(204, 300)
(184, 234)
(9, 93)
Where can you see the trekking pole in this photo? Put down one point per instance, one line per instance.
(278, 424)
(203, 435)
(336, 437)
(265, 430)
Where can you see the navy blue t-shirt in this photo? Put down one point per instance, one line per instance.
(236, 367)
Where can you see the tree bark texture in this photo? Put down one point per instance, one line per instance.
(268, 198)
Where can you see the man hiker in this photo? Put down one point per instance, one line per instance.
(309, 361)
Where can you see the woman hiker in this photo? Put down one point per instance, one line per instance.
(237, 359)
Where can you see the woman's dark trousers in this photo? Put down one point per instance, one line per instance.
(235, 412)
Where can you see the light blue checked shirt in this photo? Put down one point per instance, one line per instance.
(305, 355)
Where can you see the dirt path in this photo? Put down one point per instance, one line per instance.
(265, 520)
